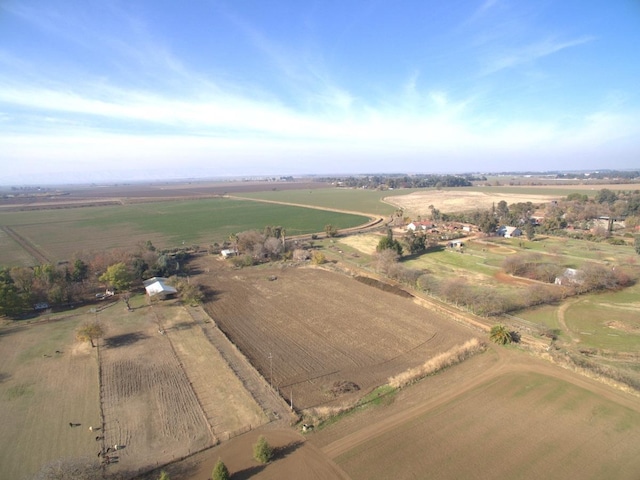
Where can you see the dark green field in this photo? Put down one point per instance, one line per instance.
(59, 233)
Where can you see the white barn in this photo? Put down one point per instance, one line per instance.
(157, 286)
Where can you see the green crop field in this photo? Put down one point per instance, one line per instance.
(357, 200)
(58, 234)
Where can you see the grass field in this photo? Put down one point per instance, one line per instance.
(58, 234)
(41, 391)
(356, 200)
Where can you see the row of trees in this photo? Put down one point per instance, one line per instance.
(404, 181)
(66, 283)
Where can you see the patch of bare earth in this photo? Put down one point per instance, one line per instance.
(149, 405)
(306, 329)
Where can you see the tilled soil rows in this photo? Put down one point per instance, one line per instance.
(307, 329)
(150, 410)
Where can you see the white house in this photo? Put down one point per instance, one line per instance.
(509, 232)
(420, 226)
(228, 252)
(157, 286)
(570, 276)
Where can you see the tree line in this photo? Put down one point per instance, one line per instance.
(66, 283)
(404, 181)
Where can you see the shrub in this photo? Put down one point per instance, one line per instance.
(262, 451)
(499, 334)
(318, 258)
(455, 355)
(220, 471)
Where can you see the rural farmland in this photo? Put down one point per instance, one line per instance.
(56, 235)
(177, 387)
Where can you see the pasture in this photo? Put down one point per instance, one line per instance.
(41, 392)
(348, 199)
(160, 397)
(58, 234)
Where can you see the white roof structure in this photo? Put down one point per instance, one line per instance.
(157, 286)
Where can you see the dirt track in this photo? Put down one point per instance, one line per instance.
(498, 362)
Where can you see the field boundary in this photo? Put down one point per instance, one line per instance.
(26, 245)
(272, 404)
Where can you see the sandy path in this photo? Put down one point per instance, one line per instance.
(561, 318)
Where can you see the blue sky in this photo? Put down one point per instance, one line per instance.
(153, 89)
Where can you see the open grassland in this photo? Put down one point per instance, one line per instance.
(13, 252)
(58, 234)
(41, 392)
(608, 321)
(163, 396)
(308, 328)
(464, 199)
(351, 199)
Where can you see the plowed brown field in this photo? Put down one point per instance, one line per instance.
(305, 329)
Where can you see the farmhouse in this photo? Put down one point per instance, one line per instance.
(228, 252)
(456, 244)
(509, 232)
(413, 226)
(157, 286)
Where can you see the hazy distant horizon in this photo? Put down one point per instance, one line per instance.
(122, 181)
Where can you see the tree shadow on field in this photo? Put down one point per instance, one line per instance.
(247, 472)
(124, 339)
(13, 329)
(286, 450)
(182, 326)
(180, 469)
(208, 293)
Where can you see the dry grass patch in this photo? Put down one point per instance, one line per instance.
(455, 355)
(449, 201)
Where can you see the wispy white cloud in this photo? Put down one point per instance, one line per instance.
(530, 53)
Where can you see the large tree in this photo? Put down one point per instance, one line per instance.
(11, 302)
(89, 332)
(117, 276)
(389, 243)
